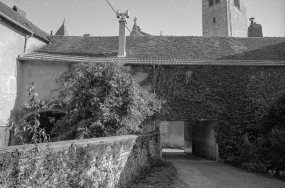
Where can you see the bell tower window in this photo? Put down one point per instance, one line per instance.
(237, 3)
(211, 2)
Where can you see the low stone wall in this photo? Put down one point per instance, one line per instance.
(99, 162)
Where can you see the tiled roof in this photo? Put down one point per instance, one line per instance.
(148, 61)
(4, 9)
(62, 31)
(185, 47)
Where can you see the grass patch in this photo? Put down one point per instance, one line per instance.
(160, 175)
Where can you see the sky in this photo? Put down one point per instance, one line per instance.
(171, 17)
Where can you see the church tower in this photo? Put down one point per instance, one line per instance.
(224, 18)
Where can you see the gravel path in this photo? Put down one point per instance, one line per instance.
(195, 172)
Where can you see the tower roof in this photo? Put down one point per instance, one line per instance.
(62, 31)
(137, 30)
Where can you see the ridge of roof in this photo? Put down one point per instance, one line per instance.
(268, 48)
(17, 18)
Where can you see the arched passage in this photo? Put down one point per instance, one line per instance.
(49, 118)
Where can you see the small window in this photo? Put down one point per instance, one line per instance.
(214, 20)
(237, 3)
(211, 2)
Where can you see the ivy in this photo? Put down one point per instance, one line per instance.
(242, 100)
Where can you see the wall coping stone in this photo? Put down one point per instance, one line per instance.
(64, 145)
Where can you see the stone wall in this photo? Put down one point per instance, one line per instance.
(103, 162)
(238, 19)
(219, 12)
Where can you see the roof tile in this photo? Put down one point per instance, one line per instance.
(172, 47)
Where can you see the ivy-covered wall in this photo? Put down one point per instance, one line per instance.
(99, 162)
(237, 98)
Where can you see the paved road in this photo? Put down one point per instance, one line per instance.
(199, 173)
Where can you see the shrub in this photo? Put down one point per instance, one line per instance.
(102, 99)
(28, 127)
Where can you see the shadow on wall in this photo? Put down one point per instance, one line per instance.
(203, 140)
(100, 162)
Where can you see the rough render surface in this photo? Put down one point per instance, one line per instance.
(230, 20)
(11, 45)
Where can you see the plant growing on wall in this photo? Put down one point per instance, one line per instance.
(246, 103)
(102, 99)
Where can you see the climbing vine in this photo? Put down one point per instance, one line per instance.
(237, 98)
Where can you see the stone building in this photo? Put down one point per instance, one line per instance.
(224, 18)
(181, 58)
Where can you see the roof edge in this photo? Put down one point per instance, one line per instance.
(16, 23)
(161, 61)
(23, 27)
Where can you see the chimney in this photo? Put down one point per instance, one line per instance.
(20, 11)
(251, 20)
(254, 30)
(122, 32)
(88, 35)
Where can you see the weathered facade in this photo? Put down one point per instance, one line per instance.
(15, 39)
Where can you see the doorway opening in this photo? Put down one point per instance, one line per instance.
(194, 138)
(47, 120)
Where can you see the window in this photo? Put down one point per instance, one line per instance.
(214, 20)
(211, 2)
(237, 3)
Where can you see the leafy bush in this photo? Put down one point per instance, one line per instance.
(102, 99)
(28, 128)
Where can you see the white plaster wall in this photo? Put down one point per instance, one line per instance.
(172, 134)
(43, 74)
(11, 45)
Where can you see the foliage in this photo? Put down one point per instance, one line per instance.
(242, 100)
(28, 127)
(95, 165)
(102, 99)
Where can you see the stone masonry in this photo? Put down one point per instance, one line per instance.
(224, 19)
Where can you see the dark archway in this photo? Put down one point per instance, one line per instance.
(48, 119)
